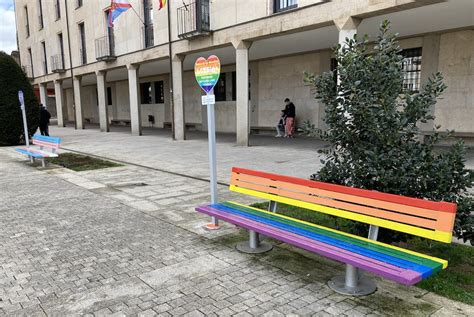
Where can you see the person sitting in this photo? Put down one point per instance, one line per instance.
(281, 125)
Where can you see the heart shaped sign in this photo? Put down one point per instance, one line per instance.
(207, 72)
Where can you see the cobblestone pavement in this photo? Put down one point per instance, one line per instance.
(127, 241)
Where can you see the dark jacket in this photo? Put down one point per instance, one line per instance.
(44, 117)
(290, 111)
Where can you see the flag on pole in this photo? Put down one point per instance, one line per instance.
(117, 7)
(161, 4)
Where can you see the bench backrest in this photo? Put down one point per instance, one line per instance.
(428, 219)
(48, 142)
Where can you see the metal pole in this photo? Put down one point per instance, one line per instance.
(211, 131)
(352, 276)
(70, 65)
(25, 126)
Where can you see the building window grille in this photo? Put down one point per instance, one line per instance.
(159, 92)
(283, 5)
(412, 69)
(45, 63)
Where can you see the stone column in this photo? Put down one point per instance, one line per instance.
(347, 27)
(78, 102)
(179, 121)
(135, 109)
(242, 82)
(430, 62)
(58, 92)
(43, 94)
(102, 97)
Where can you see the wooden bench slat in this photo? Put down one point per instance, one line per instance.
(398, 217)
(416, 211)
(403, 276)
(430, 234)
(398, 199)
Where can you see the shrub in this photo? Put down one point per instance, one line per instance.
(12, 79)
(374, 136)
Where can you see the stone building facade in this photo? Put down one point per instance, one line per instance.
(121, 75)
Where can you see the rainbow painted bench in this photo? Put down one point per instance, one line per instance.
(427, 219)
(45, 146)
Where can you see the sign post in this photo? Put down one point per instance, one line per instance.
(23, 112)
(207, 74)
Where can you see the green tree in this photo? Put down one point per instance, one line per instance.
(373, 131)
(12, 79)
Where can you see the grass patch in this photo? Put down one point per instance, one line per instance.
(456, 282)
(79, 163)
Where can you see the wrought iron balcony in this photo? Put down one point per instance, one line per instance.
(148, 36)
(28, 70)
(194, 19)
(105, 49)
(57, 63)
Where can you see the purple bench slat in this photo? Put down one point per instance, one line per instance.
(403, 276)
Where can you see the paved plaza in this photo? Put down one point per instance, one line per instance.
(126, 240)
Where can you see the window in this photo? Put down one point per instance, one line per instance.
(40, 14)
(109, 96)
(45, 63)
(412, 69)
(82, 39)
(57, 9)
(30, 55)
(219, 89)
(283, 5)
(61, 49)
(27, 22)
(159, 92)
(334, 68)
(78, 3)
(145, 93)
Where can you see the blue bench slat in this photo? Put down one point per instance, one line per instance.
(26, 152)
(424, 270)
(49, 139)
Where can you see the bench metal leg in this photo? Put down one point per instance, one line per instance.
(43, 163)
(352, 283)
(254, 245)
(272, 206)
(32, 160)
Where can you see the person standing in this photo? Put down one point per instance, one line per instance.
(44, 120)
(290, 113)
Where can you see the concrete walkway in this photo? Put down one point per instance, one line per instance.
(127, 241)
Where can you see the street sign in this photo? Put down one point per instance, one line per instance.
(207, 72)
(208, 99)
(21, 99)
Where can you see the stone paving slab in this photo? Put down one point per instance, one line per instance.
(67, 249)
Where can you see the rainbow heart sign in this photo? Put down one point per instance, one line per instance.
(207, 72)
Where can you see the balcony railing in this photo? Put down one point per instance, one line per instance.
(57, 63)
(104, 49)
(28, 70)
(193, 19)
(148, 36)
